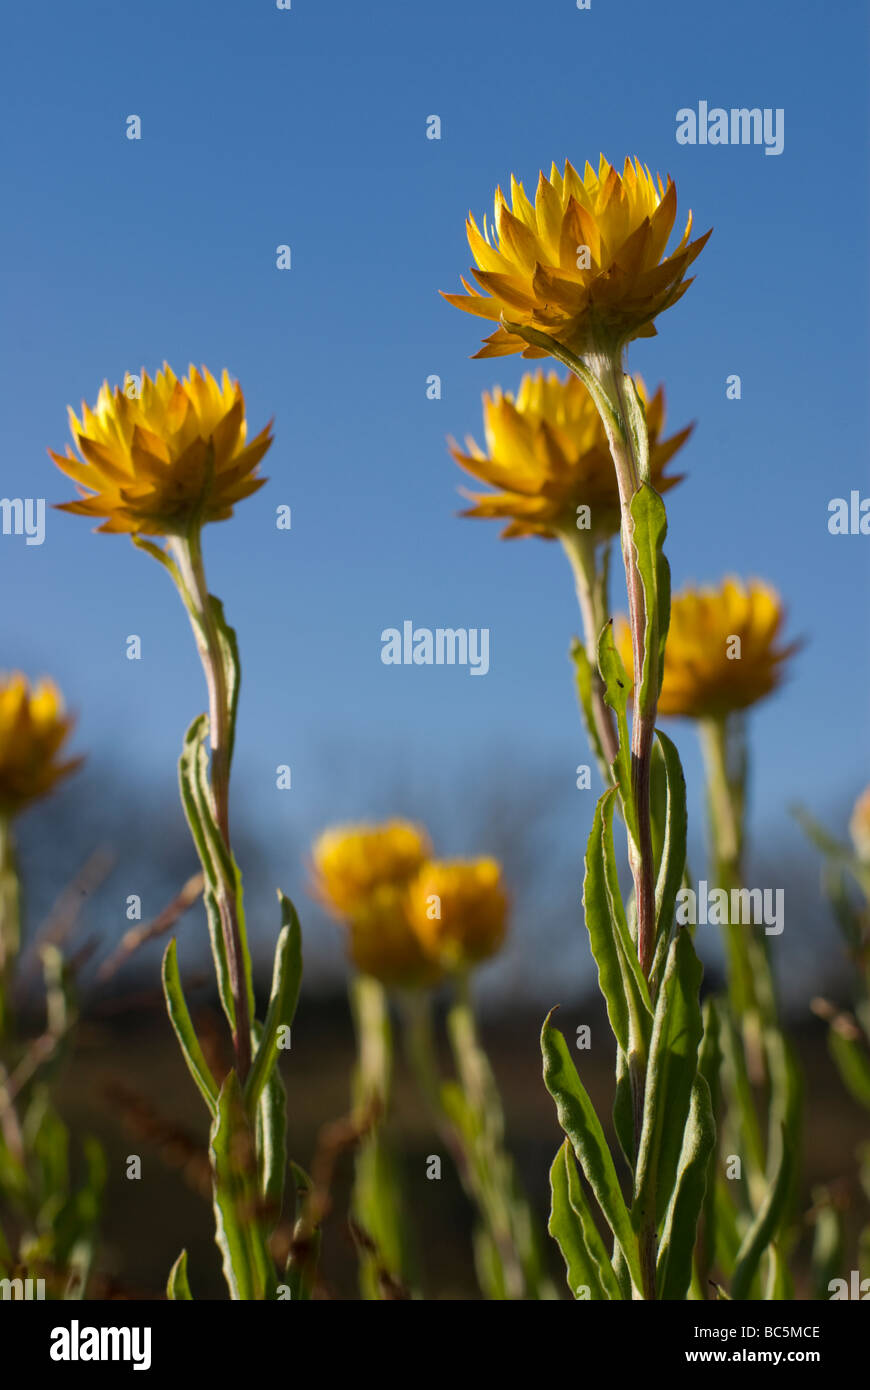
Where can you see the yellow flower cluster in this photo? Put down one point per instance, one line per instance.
(585, 263)
(723, 651)
(410, 918)
(169, 455)
(33, 729)
(548, 454)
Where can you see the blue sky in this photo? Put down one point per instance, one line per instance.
(262, 127)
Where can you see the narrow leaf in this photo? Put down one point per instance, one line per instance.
(674, 1266)
(616, 691)
(239, 1233)
(177, 1287)
(673, 1063)
(286, 981)
(179, 1017)
(582, 1126)
(673, 860)
(650, 528)
(566, 1228)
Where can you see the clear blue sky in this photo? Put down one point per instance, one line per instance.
(262, 127)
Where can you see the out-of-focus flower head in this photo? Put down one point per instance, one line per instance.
(724, 649)
(34, 727)
(459, 911)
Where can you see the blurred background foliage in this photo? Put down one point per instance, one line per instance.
(84, 851)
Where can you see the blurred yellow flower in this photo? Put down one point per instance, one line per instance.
(169, 454)
(382, 942)
(33, 728)
(723, 650)
(585, 263)
(859, 826)
(361, 875)
(548, 453)
(351, 861)
(459, 911)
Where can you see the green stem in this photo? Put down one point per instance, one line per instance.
(187, 552)
(498, 1196)
(420, 1044)
(376, 1199)
(750, 980)
(590, 580)
(611, 373)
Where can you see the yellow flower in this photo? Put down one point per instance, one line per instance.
(351, 861)
(548, 453)
(383, 944)
(459, 911)
(859, 826)
(723, 650)
(584, 264)
(33, 729)
(171, 454)
(362, 873)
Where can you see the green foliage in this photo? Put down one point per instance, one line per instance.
(581, 1125)
(240, 1229)
(650, 529)
(179, 1017)
(177, 1287)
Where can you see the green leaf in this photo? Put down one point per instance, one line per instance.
(239, 1233)
(585, 678)
(782, 1149)
(674, 1265)
(673, 1064)
(620, 977)
(780, 1287)
(852, 1062)
(650, 527)
(828, 1244)
(301, 1268)
(286, 981)
(229, 649)
(177, 1287)
(709, 1067)
(764, 1227)
(376, 1204)
(623, 1109)
(582, 1126)
(636, 425)
(573, 1228)
(737, 1089)
(272, 1146)
(196, 800)
(616, 691)
(673, 860)
(180, 1019)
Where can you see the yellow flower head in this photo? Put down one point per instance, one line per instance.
(351, 861)
(723, 650)
(547, 453)
(382, 942)
(585, 263)
(859, 826)
(459, 911)
(362, 873)
(168, 454)
(33, 729)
